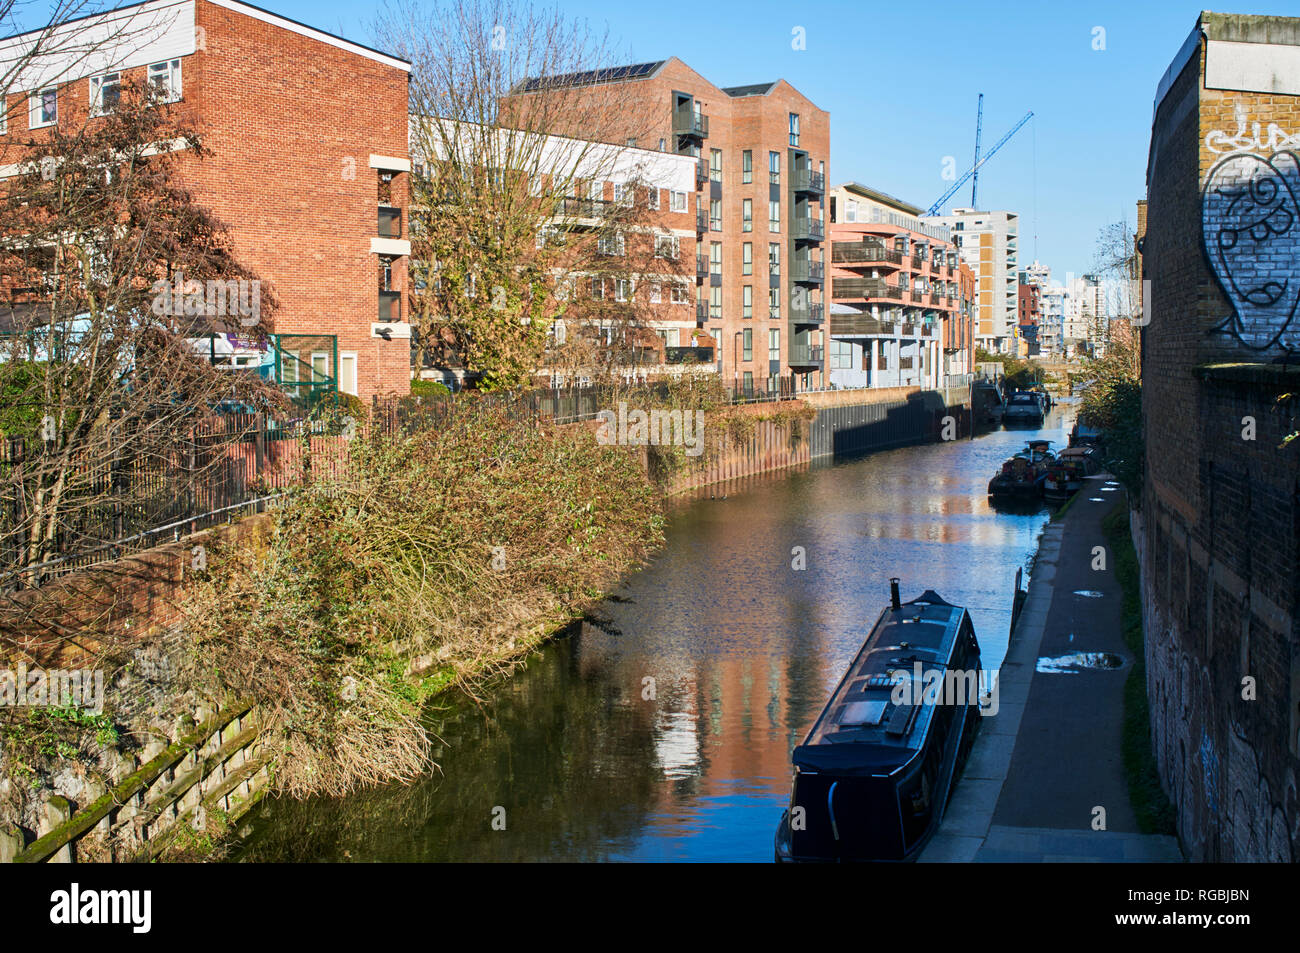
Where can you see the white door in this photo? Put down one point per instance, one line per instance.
(348, 373)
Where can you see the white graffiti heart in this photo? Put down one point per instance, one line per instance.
(1250, 220)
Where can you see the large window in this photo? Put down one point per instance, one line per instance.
(105, 91)
(747, 344)
(747, 215)
(747, 301)
(794, 129)
(166, 79)
(774, 258)
(676, 201)
(841, 355)
(773, 216)
(747, 166)
(715, 302)
(715, 165)
(715, 258)
(715, 215)
(667, 246)
(774, 303)
(43, 108)
(774, 345)
(774, 167)
(747, 258)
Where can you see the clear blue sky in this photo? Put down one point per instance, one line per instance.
(901, 80)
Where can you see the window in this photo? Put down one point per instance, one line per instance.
(774, 167)
(774, 258)
(715, 258)
(679, 293)
(631, 142)
(622, 194)
(747, 215)
(386, 273)
(747, 346)
(622, 289)
(747, 301)
(662, 145)
(773, 216)
(715, 302)
(43, 108)
(612, 244)
(595, 191)
(749, 381)
(597, 289)
(747, 166)
(289, 367)
(774, 345)
(667, 246)
(715, 215)
(850, 211)
(794, 129)
(841, 355)
(320, 366)
(652, 199)
(747, 258)
(166, 79)
(677, 201)
(715, 165)
(656, 292)
(105, 92)
(774, 303)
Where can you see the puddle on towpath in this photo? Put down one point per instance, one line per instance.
(1079, 662)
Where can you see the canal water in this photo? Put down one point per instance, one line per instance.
(663, 733)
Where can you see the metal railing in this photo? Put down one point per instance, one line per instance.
(806, 229)
(805, 180)
(864, 288)
(807, 271)
(864, 253)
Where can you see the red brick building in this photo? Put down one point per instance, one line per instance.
(758, 203)
(897, 313)
(309, 164)
(1029, 314)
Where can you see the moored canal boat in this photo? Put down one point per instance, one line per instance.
(1025, 473)
(873, 776)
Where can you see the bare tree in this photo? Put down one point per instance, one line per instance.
(115, 281)
(509, 214)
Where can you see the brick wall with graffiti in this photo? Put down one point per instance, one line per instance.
(1219, 532)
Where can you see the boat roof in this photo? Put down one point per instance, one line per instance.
(861, 727)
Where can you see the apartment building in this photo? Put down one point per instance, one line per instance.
(1085, 317)
(1029, 316)
(1050, 305)
(761, 153)
(622, 233)
(308, 167)
(987, 242)
(897, 315)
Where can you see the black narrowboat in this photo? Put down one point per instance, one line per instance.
(872, 779)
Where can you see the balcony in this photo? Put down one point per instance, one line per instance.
(807, 314)
(864, 253)
(582, 210)
(864, 288)
(808, 272)
(701, 266)
(701, 222)
(806, 229)
(806, 180)
(918, 262)
(390, 306)
(701, 174)
(390, 222)
(701, 312)
(804, 355)
(689, 123)
(688, 355)
(863, 325)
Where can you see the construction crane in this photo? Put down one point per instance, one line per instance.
(975, 169)
(937, 206)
